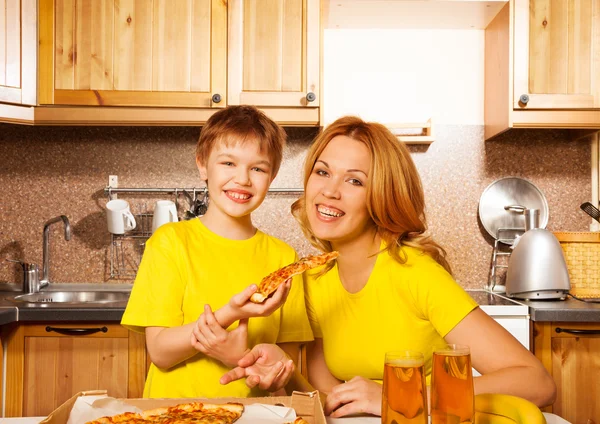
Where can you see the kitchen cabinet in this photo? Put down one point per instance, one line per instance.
(571, 354)
(18, 58)
(133, 53)
(175, 63)
(47, 363)
(542, 66)
(274, 52)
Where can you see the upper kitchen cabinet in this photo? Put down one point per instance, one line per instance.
(18, 55)
(161, 53)
(542, 66)
(273, 56)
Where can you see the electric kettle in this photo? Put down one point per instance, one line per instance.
(536, 268)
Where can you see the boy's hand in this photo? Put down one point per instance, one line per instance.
(240, 306)
(213, 340)
(266, 366)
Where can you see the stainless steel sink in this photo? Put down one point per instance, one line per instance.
(73, 297)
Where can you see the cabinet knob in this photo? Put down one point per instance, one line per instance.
(524, 98)
(310, 97)
(216, 98)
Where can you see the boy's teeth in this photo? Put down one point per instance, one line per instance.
(239, 195)
(329, 212)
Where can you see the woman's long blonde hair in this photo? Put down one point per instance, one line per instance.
(395, 198)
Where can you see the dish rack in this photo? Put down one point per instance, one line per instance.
(126, 250)
(502, 249)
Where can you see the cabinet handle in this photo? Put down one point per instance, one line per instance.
(569, 331)
(216, 98)
(76, 331)
(524, 98)
(310, 97)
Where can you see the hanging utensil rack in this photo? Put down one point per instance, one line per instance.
(126, 250)
(112, 191)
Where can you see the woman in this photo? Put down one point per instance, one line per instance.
(391, 287)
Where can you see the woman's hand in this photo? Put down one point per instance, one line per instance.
(266, 366)
(240, 306)
(213, 340)
(359, 395)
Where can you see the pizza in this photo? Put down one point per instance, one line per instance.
(299, 420)
(194, 412)
(270, 283)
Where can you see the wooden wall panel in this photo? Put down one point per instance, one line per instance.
(58, 367)
(580, 46)
(13, 43)
(3, 37)
(113, 366)
(262, 50)
(548, 42)
(562, 46)
(133, 45)
(40, 376)
(64, 44)
(171, 45)
(291, 79)
(576, 365)
(200, 49)
(94, 45)
(595, 68)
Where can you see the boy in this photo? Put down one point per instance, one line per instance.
(191, 267)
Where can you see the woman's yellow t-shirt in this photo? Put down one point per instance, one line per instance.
(186, 266)
(409, 306)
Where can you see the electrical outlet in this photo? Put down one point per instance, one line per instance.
(113, 182)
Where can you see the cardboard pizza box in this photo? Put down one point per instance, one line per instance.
(306, 405)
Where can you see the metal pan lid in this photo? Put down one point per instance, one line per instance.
(501, 224)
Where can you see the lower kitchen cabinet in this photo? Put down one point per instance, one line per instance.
(571, 353)
(47, 363)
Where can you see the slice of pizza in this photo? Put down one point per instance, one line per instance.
(299, 420)
(126, 417)
(196, 412)
(270, 283)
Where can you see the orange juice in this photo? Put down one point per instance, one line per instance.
(452, 398)
(404, 392)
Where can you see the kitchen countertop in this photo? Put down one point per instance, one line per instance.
(569, 310)
(493, 304)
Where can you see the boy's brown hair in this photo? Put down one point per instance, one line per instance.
(238, 124)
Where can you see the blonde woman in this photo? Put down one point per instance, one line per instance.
(391, 287)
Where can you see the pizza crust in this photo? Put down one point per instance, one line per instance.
(271, 282)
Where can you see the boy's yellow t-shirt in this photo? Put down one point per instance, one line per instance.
(186, 266)
(408, 306)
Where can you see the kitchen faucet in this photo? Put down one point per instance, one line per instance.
(45, 252)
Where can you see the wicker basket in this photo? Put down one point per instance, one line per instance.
(582, 253)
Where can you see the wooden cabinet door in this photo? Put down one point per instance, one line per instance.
(274, 50)
(18, 51)
(557, 54)
(571, 353)
(48, 364)
(133, 52)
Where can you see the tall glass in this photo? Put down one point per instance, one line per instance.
(452, 399)
(404, 392)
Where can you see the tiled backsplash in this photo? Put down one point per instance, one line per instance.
(49, 171)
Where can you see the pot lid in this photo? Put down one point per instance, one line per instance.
(503, 224)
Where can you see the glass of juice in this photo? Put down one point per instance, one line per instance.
(404, 392)
(452, 399)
